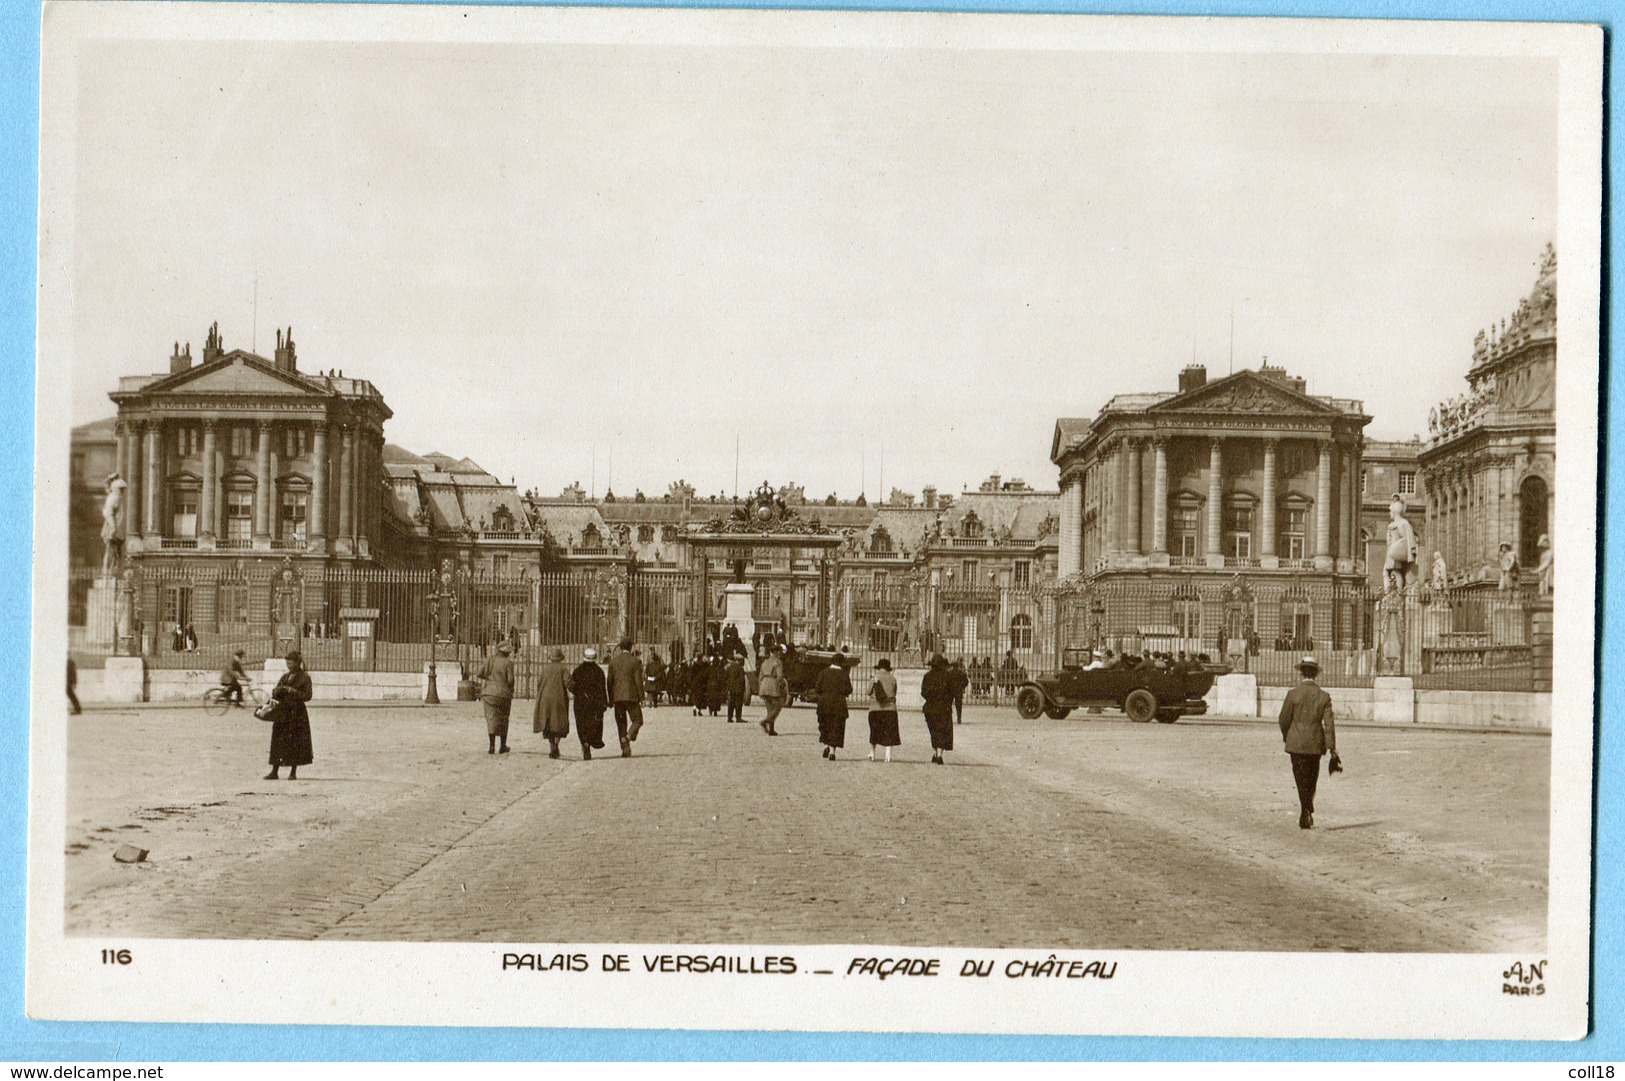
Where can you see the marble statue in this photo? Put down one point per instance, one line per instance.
(1401, 545)
(1509, 566)
(1441, 574)
(1545, 566)
(113, 526)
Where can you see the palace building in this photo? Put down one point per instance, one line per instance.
(1221, 512)
(243, 456)
(1490, 459)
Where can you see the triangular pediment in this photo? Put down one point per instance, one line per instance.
(236, 373)
(1244, 392)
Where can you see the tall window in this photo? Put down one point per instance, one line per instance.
(1021, 632)
(1022, 576)
(239, 516)
(967, 572)
(879, 581)
(1292, 533)
(798, 599)
(186, 441)
(1185, 613)
(295, 506)
(646, 534)
(1187, 522)
(499, 568)
(231, 604)
(242, 441)
(1297, 622)
(761, 595)
(1238, 532)
(294, 441)
(185, 514)
(1407, 482)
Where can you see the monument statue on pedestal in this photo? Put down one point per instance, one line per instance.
(113, 527)
(1401, 546)
(1545, 565)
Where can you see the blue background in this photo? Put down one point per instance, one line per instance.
(25, 1040)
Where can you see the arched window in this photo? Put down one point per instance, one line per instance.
(591, 538)
(1532, 509)
(1021, 632)
(880, 542)
(646, 534)
(972, 526)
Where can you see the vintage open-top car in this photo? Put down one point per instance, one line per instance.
(1139, 687)
(803, 666)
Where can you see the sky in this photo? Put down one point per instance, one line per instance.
(615, 264)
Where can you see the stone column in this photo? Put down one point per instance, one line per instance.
(262, 482)
(1215, 499)
(150, 489)
(1131, 503)
(1266, 522)
(318, 486)
(210, 496)
(347, 486)
(1159, 497)
(134, 517)
(1069, 558)
(1323, 503)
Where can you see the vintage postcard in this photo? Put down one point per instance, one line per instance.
(824, 521)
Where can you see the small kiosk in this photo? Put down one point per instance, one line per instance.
(360, 638)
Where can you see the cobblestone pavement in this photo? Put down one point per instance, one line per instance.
(1087, 832)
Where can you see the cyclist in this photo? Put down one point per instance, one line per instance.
(232, 678)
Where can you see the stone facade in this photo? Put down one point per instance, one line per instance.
(1490, 458)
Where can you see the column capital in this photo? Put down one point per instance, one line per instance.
(1271, 442)
(210, 424)
(263, 424)
(1160, 440)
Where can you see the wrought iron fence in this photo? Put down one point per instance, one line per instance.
(377, 620)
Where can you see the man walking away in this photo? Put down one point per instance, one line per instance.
(1308, 733)
(735, 684)
(625, 694)
(496, 692)
(958, 681)
(73, 687)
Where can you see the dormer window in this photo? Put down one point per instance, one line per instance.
(591, 538)
(646, 534)
(972, 527)
(880, 542)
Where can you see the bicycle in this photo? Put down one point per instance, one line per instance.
(217, 700)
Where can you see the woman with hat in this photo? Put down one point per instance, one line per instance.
(290, 731)
(552, 717)
(883, 718)
(591, 693)
(496, 694)
(937, 689)
(1307, 733)
(832, 688)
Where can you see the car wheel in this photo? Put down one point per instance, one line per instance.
(1140, 705)
(1167, 716)
(1056, 713)
(1029, 703)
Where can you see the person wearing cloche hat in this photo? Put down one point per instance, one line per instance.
(496, 695)
(1308, 733)
(591, 693)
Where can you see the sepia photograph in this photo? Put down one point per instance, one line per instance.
(891, 522)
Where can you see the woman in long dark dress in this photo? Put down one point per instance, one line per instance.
(717, 684)
(290, 732)
(832, 688)
(937, 689)
(591, 693)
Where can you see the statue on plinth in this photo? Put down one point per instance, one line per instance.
(1441, 574)
(1401, 545)
(1509, 566)
(113, 527)
(1545, 565)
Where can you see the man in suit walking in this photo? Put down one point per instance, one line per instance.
(626, 693)
(1308, 732)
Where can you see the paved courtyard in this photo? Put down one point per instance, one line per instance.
(1088, 832)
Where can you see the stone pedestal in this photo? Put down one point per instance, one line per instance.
(1235, 695)
(101, 615)
(1393, 700)
(124, 679)
(908, 689)
(738, 598)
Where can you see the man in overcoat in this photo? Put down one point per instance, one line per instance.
(626, 693)
(1308, 733)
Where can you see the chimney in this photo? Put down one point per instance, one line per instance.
(1192, 377)
(285, 359)
(929, 494)
(213, 349)
(179, 361)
